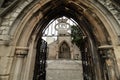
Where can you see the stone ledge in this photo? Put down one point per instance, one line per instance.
(5, 42)
(4, 74)
(4, 77)
(105, 47)
(4, 37)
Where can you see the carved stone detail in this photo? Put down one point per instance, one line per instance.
(114, 9)
(21, 51)
(109, 59)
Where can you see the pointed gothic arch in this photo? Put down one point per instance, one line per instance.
(41, 18)
(26, 29)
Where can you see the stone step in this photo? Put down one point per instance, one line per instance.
(64, 70)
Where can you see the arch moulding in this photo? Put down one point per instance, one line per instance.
(20, 47)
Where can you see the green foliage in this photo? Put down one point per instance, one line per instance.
(76, 35)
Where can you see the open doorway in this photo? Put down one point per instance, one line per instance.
(97, 44)
(64, 51)
(62, 57)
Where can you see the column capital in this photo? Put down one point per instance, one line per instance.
(106, 47)
(21, 51)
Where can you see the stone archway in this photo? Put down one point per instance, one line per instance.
(19, 37)
(64, 51)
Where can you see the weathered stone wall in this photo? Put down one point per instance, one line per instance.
(6, 48)
(9, 19)
(110, 11)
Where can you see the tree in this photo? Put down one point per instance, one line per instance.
(77, 35)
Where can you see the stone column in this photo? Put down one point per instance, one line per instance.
(110, 61)
(57, 52)
(72, 53)
(57, 55)
(21, 52)
(112, 67)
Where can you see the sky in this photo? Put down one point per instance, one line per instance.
(51, 33)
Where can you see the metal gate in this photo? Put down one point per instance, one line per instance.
(40, 63)
(87, 61)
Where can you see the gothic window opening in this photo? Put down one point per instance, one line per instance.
(64, 51)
